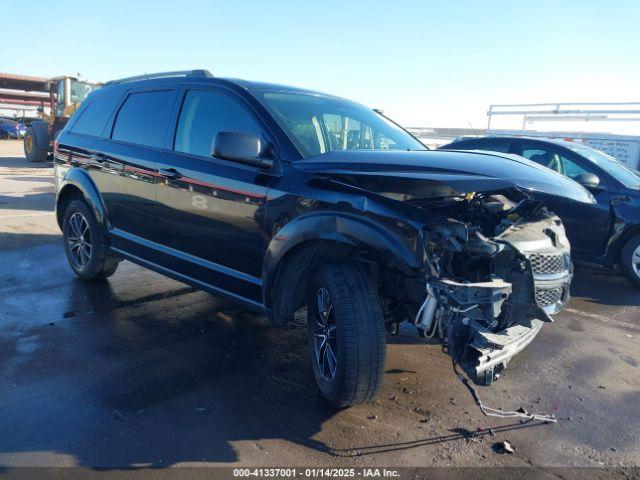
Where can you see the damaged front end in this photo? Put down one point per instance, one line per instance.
(496, 270)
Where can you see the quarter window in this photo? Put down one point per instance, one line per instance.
(95, 116)
(143, 119)
(204, 114)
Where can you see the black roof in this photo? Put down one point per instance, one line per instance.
(197, 76)
(555, 141)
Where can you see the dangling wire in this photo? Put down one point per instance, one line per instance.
(492, 412)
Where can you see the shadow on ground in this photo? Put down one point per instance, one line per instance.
(128, 376)
(21, 162)
(158, 379)
(613, 288)
(144, 371)
(13, 241)
(41, 199)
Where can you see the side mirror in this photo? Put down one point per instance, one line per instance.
(240, 147)
(588, 180)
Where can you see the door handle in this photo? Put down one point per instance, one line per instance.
(170, 173)
(98, 157)
(618, 199)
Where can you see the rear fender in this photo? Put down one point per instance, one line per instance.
(76, 180)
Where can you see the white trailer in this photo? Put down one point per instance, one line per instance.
(622, 146)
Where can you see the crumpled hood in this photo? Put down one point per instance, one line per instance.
(461, 171)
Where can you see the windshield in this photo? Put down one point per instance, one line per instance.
(317, 124)
(80, 90)
(629, 177)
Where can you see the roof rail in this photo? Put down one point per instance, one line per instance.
(148, 76)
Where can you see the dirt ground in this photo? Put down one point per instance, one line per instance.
(145, 371)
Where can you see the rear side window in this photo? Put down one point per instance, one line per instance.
(464, 145)
(492, 145)
(501, 146)
(143, 118)
(204, 114)
(95, 116)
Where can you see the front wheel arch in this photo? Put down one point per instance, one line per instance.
(287, 291)
(346, 233)
(628, 259)
(621, 241)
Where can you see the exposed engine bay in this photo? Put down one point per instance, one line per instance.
(496, 270)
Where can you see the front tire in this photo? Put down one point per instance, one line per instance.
(31, 150)
(630, 260)
(84, 243)
(346, 335)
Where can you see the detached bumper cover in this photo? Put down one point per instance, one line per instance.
(496, 349)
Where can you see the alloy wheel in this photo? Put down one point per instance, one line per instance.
(324, 335)
(635, 261)
(79, 240)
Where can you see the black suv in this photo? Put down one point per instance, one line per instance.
(295, 203)
(612, 237)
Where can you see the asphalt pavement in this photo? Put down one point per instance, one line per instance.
(142, 371)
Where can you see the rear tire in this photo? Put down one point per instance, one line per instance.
(630, 260)
(346, 335)
(31, 150)
(84, 244)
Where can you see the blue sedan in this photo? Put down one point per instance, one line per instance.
(605, 233)
(12, 129)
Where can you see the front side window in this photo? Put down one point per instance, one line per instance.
(317, 124)
(93, 119)
(539, 155)
(204, 113)
(551, 158)
(143, 119)
(570, 168)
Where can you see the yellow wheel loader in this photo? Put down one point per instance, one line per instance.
(66, 93)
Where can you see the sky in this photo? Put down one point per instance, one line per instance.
(425, 63)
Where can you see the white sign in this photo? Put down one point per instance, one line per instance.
(625, 151)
